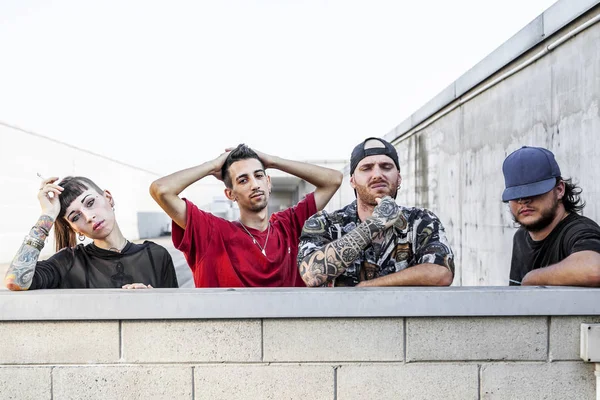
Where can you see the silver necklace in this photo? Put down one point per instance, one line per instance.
(262, 248)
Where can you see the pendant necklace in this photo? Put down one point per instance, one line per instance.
(262, 248)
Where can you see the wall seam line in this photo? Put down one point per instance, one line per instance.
(548, 327)
(335, 382)
(121, 340)
(479, 382)
(193, 384)
(262, 340)
(52, 383)
(404, 338)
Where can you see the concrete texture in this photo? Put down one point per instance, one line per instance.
(59, 342)
(126, 382)
(562, 12)
(406, 381)
(554, 103)
(340, 339)
(173, 304)
(564, 336)
(287, 381)
(549, 381)
(449, 339)
(25, 383)
(191, 341)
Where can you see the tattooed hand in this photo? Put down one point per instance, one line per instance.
(386, 211)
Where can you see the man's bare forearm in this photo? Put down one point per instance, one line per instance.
(177, 182)
(418, 275)
(321, 266)
(22, 268)
(315, 175)
(578, 269)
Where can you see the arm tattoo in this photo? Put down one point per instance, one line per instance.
(329, 262)
(20, 273)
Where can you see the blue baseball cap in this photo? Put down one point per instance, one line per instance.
(529, 171)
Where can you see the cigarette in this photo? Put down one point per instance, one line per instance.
(39, 175)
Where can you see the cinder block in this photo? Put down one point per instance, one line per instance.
(191, 341)
(564, 336)
(367, 339)
(59, 342)
(557, 380)
(120, 382)
(25, 383)
(283, 381)
(407, 381)
(482, 338)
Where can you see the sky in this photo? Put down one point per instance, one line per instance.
(166, 85)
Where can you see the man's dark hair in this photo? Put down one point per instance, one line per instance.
(572, 199)
(242, 152)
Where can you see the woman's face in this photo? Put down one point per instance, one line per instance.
(91, 214)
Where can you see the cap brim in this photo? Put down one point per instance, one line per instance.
(529, 190)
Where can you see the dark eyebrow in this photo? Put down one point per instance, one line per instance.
(82, 200)
(246, 175)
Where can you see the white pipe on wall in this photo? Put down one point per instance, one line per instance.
(499, 79)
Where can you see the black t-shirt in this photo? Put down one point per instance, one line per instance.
(572, 234)
(92, 267)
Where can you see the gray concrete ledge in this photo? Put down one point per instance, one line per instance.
(115, 304)
(556, 17)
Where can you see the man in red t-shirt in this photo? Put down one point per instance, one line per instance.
(255, 250)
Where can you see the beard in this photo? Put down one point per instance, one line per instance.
(368, 197)
(545, 219)
(256, 207)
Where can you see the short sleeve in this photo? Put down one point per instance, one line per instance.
(430, 243)
(297, 215)
(586, 238)
(194, 239)
(168, 276)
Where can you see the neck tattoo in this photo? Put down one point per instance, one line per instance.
(262, 248)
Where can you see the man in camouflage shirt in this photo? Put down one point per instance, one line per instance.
(373, 241)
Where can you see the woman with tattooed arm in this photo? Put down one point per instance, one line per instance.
(76, 206)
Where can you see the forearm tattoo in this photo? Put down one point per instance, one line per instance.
(20, 273)
(325, 264)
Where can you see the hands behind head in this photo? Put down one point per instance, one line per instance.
(48, 197)
(387, 211)
(136, 286)
(218, 163)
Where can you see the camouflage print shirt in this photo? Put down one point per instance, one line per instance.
(417, 237)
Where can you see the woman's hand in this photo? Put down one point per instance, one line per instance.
(48, 197)
(136, 286)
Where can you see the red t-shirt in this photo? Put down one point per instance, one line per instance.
(221, 254)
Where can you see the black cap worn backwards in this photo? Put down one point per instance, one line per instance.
(360, 152)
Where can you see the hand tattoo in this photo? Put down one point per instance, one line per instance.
(331, 261)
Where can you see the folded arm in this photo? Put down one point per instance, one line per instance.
(578, 269)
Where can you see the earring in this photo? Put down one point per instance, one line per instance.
(81, 237)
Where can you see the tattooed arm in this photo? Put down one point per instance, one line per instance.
(331, 260)
(435, 261)
(20, 273)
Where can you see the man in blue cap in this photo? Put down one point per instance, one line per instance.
(555, 245)
(373, 241)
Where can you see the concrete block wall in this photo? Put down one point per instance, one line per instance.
(453, 165)
(339, 358)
